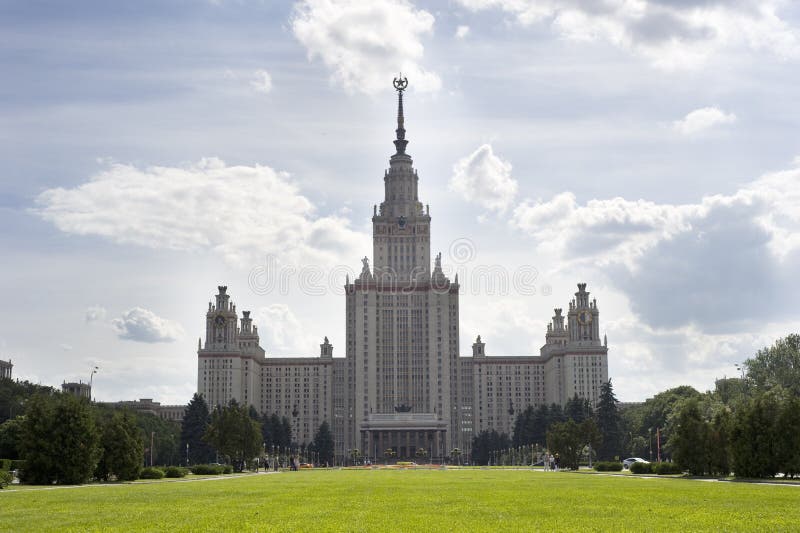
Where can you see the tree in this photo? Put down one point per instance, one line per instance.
(608, 423)
(122, 448)
(778, 365)
(323, 443)
(276, 431)
(234, 434)
(719, 443)
(690, 438)
(486, 442)
(530, 426)
(787, 446)
(194, 426)
(568, 439)
(645, 419)
(578, 409)
(165, 436)
(14, 394)
(755, 437)
(59, 440)
(10, 438)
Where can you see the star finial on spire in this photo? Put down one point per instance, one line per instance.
(400, 85)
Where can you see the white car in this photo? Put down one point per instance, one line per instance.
(626, 464)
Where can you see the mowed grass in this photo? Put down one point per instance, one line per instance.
(411, 500)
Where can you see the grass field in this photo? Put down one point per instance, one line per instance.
(420, 500)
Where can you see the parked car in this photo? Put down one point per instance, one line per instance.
(626, 464)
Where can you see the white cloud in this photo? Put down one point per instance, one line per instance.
(142, 325)
(238, 212)
(702, 119)
(485, 179)
(683, 264)
(672, 35)
(365, 44)
(95, 313)
(282, 333)
(462, 31)
(66, 347)
(261, 82)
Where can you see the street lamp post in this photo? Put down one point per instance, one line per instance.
(187, 454)
(152, 440)
(94, 371)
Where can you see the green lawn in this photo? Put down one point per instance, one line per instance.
(418, 500)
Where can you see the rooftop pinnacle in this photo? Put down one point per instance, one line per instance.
(400, 143)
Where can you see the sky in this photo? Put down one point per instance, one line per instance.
(152, 151)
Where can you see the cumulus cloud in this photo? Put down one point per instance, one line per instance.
(365, 44)
(142, 325)
(239, 212)
(484, 179)
(670, 34)
(462, 31)
(282, 333)
(95, 313)
(719, 262)
(261, 82)
(702, 119)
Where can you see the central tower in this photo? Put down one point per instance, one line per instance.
(402, 328)
(400, 228)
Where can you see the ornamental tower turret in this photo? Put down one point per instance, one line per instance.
(584, 323)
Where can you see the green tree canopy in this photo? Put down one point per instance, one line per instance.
(778, 365)
(122, 448)
(193, 428)
(323, 443)
(568, 439)
(609, 424)
(234, 434)
(487, 441)
(60, 442)
(10, 438)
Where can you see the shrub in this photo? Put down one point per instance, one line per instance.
(227, 469)
(175, 471)
(5, 464)
(207, 470)
(642, 468)
(608, 466)
(151, 472)
(5, 478)
(663, 469)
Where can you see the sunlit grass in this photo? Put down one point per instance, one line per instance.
(407, 500)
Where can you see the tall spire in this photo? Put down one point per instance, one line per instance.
(400, 143)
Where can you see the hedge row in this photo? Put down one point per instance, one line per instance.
(662, 469)
(608, 466)
(11, 464)
(151, 472)
(211, 470)
(175, 471)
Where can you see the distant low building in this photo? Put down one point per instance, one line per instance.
(5, 369)
(79, 389)
(147, 405)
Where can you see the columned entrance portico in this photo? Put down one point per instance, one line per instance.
(405, 433)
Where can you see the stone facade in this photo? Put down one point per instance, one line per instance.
(402, 383)
(79, 389)
(174, 413)
(5, 369)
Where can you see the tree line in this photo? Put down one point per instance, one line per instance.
(63, 439)
(748, 425)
